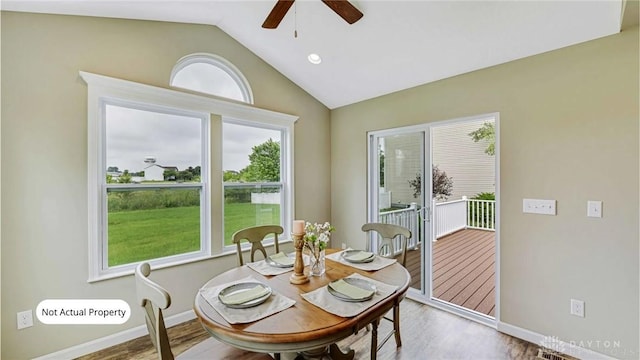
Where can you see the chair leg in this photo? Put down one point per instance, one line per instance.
(276, 356)
(396, 324)
(374, 338)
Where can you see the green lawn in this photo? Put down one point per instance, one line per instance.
(138, 235)
(146, 234)
(241, 215)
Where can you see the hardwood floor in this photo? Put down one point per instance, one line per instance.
(426, 333)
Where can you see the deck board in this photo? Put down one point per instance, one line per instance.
(463, 269)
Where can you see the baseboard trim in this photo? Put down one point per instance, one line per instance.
(138, 331)
(114, 339)
(556, 344)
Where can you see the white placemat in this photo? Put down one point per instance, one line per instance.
(264, 268)
(274, 304)
(378, 262)
(327, 302)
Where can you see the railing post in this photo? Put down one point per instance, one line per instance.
(466, 210)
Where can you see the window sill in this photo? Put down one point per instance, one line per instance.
(130, 271)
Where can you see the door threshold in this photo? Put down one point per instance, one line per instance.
(463, 312)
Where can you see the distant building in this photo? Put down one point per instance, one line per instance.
(452, 150)
(155, 172)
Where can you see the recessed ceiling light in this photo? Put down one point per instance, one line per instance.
(314, 58)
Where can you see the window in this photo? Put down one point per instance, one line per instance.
(155, 173)
(253, 190)
(154, 183)
(211, 74)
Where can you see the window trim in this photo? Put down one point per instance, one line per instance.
(104, 87)
(219, 62)
(286, 176)
(205, 205)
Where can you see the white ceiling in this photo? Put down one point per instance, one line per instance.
(395, 46)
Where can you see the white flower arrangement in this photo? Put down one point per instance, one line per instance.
(316, 239)
(317, 235)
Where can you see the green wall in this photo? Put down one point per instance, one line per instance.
(44, 159)
(568, 131)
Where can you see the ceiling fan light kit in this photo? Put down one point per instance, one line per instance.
(343, 8)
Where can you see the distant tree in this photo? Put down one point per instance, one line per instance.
(230, 176)
(170, 175)
(125, 178)
(110, 179)
(195, 171)
(441, 184)
(113, 169)
(184, 175)
(486, 132)
(264, 163)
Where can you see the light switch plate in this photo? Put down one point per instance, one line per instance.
(539, 206)
(594, 208)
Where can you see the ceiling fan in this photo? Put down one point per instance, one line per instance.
(341, 7)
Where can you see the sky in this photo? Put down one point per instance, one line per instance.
(132, 135)
(174, 140)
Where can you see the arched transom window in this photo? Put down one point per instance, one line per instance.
(211, 74)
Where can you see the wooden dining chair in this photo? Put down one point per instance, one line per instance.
(153, 299)
(387, 233)
(255, 235)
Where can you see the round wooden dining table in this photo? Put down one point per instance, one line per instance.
(303, 326)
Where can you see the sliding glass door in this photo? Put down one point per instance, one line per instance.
(440, 180)
(398, 187)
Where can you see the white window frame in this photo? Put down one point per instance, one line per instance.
(203, 185)
(219, 62)
(286, 212)
(106, 88)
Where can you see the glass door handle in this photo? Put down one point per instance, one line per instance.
(425, 213)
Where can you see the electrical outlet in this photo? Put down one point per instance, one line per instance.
(577, 307)
(594, 209)
(25, 319)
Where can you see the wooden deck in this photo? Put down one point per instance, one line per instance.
(463, 270)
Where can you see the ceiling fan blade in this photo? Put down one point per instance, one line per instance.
(277, 14)
(345, 9)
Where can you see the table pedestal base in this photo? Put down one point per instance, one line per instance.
(337, 354)
(331, 352)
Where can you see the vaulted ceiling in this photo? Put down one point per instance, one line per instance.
(396, 45)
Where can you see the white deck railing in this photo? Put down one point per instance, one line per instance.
(448, 217)
(481, 214)
(406, 218)
(464, 214)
